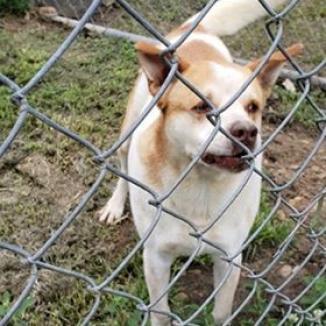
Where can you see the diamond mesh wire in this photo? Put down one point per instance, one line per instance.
(35, 260)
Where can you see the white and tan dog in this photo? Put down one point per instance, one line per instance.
(173, 133)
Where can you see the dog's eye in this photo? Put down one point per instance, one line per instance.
(252, 107)
(201, 108)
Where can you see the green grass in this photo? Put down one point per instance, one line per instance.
(317, 290)
(272, 234)
(14, 6)
(86, 92)
(301, 25)
(5, 304)
(305, 114)
(68, 87)
(256, 307)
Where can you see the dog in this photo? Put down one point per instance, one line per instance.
(171, 136)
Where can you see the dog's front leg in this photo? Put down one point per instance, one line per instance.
(113, 210)
(224, 298)
(157, 267)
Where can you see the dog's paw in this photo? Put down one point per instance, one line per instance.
(112, 212)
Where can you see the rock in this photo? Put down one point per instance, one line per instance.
(181, 297)
(281, 215)
(293, 318)
(285, 271)
(296, 201)
(289, 86)
(47, 11)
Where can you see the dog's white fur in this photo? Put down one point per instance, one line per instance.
(206, 190)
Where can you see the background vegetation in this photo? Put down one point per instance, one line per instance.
(45, 174)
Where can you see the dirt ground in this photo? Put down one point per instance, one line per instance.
(45, 182)
(39, 186)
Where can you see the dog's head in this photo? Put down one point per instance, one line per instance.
(186, 124)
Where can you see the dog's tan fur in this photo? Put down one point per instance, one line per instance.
(171, 136)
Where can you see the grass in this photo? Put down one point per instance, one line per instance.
(14, 6)
(5, 304)
(301, 25)
(105, 93)
(305, 113)
(272, 234)
(86, 92)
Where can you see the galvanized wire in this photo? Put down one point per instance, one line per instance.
(36, 261)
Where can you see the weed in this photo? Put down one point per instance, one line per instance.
(305, 114)
(273, 232)
(257, 306)
(6, 301)
(14, 6)
(317, 290)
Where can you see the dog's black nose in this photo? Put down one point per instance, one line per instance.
(245, 132)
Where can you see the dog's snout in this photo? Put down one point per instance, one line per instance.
(245, 132)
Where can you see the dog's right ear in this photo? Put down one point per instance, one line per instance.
(154, 66)
(273, 67)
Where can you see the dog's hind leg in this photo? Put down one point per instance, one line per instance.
(113, 210)
(157, 274)
(224, 298)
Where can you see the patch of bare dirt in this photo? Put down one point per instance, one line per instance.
(16, 23)
(196, 284)
(36, 194)
(286, 154)
(54, 183)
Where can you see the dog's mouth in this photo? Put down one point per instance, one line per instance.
(233, 163)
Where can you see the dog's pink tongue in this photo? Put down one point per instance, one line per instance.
(227, 162)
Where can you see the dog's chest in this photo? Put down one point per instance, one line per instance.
(203, 206)
(198, 202)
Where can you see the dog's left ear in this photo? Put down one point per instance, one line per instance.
(154, 66)
(273, 67)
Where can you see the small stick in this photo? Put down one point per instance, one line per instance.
(50, 13)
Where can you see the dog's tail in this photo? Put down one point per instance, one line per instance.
(226, 17)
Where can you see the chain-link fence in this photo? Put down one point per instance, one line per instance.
(305, 23)
(283, 306)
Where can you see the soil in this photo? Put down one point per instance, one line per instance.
(35, 180)
(281, 160)
(46, 182)
(287, 154)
